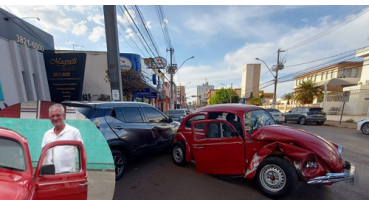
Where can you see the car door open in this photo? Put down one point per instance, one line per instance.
(65, 182)
(218, 148)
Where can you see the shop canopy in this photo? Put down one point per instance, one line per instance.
(336, 84)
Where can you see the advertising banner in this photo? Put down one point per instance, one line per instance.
(65, 74)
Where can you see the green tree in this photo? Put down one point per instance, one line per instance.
(132, 82)
(222, 96)
(288, 97)
(306, 92)
(251, 95)
(255, 101)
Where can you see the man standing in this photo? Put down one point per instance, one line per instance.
(63, 157)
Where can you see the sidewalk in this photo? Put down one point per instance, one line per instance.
(342, 125)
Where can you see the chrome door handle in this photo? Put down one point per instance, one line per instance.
(198, 147)
(119, 127)
(84, 184)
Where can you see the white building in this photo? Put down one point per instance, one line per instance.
(250, 80)
(201, 93)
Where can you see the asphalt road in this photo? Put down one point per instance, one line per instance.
(157, 177)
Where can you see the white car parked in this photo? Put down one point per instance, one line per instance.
(363, 125)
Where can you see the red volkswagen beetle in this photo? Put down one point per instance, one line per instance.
(19, 181)
(244, 140)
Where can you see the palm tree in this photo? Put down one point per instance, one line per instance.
(288, 97)
(306, 92)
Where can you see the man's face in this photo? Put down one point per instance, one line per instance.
(56, 117)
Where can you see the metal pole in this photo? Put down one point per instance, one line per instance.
(171, 80)
(275, 82)
(343, 107)
(112, 42)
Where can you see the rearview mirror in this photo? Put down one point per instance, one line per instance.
(47, 169)
(235, 133)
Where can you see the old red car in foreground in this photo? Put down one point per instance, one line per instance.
(18, 180)
(244, 140)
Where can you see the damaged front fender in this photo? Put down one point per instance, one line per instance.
(306, 163)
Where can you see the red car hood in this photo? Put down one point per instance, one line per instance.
(312, 142)
(13, 187)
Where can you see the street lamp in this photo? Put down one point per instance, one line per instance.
(171, 81)
(275, 81)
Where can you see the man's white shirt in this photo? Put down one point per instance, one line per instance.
(63, 157)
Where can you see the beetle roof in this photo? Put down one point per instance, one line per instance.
(5, 132)
(234, 108)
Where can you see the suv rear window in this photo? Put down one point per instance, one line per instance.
(316, 109)
(87, 111)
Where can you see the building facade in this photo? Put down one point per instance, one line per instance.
(202, 98)
(250, 80)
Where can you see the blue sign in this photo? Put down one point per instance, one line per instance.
(242, 100)
(1, 93)
(152, 95)
(145, 91)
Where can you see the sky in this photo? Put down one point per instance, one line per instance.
(222, 38)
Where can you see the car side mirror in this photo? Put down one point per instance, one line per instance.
(47, 169)
(235, 133)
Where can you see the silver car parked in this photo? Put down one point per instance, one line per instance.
(276, 114)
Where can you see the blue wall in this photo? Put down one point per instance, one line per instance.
(98, 152)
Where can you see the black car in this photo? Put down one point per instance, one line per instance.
(304, 115)
(131, 129)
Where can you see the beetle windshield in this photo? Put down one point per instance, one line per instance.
(257, 118)
(11, 155)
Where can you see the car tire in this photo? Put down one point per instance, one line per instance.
(302, 121)
(179, 154)
(276, 177)
(365, 128)
(120, 163)
(320, 123)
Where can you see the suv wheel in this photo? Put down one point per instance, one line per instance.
(365, 128)
(120, 163)
(179, 154)
(302, 121)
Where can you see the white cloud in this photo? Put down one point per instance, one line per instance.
(148, 24)
(80, 28)
(97, 33)
(304, 20)
(80, 8)
(98, 19)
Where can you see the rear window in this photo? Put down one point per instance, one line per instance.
(316, 109)
(174, 112)
(86, 111)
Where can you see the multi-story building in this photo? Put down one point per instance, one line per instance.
(201, 93)
(250, 80)
(181, 96)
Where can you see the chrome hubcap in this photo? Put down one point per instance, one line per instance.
(178, 154)
(119, 164)
(273, 178)
(366, 129)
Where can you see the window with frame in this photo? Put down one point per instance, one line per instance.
(354, 72)
(348, 73)
(322, 76)
(257, 118)
(65, 158)
(132, 114)
(195, 118)
(154, 115)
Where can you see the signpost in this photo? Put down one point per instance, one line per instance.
(345, 98)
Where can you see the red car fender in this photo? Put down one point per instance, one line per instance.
(297, 155)
(258, 157)
(180, 137)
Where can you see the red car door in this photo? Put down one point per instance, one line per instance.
(215, 150)
(69, 185)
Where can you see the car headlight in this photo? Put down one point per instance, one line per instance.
(340, 149)
(311, 164)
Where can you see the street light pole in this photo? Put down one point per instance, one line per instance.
(275, 79)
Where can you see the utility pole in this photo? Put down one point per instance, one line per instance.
(276, 79)
(230, 96)
(171, 70)
(112, 42)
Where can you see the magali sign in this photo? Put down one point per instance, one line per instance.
(65, 74)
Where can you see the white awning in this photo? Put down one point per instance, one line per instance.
(336, 84)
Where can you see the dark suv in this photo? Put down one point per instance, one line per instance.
(131, 129)
(304, 115)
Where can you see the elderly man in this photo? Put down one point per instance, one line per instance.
(63, 157)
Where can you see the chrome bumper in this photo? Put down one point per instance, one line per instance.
(329, 178)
